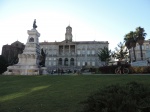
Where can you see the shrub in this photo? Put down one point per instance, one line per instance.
(140, 69)
(3, 64)
(108, 69)
(132, 97)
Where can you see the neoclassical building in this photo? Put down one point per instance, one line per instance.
(145, 51)
(69, 54)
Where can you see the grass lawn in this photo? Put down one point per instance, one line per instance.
(55, 93)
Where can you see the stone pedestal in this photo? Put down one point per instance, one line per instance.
(29, 60)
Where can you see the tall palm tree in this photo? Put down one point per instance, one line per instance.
(128, 44)
(130, 41)
(140, 34)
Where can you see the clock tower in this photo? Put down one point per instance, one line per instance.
(68, 34)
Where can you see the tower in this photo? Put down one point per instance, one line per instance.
(68, 34)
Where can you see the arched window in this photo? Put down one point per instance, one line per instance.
(72, 62)
(66, 62)
(31, 39)
(60, 61)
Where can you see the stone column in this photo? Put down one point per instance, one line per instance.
(69, 49)
(68, 61)
(62, 62)
(63, 50)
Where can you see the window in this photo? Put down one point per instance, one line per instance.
(138, 47)
(143, 47)
(78, 52)
(83, 51)
(83, 63)
(93, 52)
(78, 63)
(50, 63)
(50, 58)
(54, 63)
(147, 46)
(88, 63)
(93, 63)
(31, 39)
(88, 52)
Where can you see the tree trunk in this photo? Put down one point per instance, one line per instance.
(141, 51)
(129, 56)
(134, 53)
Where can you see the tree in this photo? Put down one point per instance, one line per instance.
(121, 51)
(140, 33)
(130, 41)
(104, 55)
(3, 64)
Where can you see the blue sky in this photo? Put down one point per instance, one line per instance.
(100, 20)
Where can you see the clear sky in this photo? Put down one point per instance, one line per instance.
(100, 20)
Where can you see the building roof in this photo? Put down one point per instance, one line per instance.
(74, 42)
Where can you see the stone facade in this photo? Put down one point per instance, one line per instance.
(10, 52)
(69, 54)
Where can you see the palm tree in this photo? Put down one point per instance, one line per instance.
(128, 44)
(140, 34)
(130, 41)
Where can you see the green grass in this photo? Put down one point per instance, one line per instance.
(55, 93)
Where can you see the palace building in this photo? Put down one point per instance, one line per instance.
(72, 55)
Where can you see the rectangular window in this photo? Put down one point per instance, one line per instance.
(93, 52)
(83, 51)
(88, 52)
(88, 63)
(93, 63)
(142, 46)
(83, 63)
(78, 63)
(147, 46)
(50, 63)
(54, 63)
(50, 58)
(78, 52)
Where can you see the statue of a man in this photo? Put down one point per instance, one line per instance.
(34, 24)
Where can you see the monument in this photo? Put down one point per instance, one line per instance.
(30, 58)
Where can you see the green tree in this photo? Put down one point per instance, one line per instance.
(121, 51)
(104, 55)
(130, 41)
(140, 33)
(3, 64)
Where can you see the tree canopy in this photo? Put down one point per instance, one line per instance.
(104, 54)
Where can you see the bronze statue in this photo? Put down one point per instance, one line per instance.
(34, 24)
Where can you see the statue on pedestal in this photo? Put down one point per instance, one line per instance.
(34, 24)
